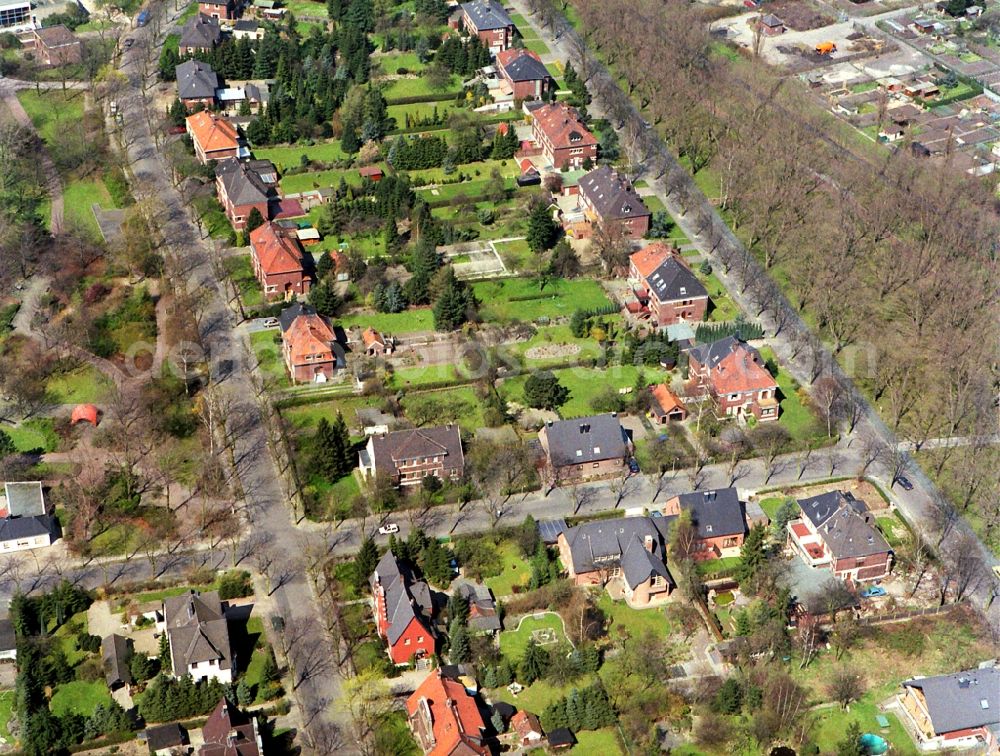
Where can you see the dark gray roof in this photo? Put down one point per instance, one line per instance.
(243, 183)
(165, 736)
(771, 20)
(246, 25)
(710, 355)
(487, 14)
(116, 655)
(24, 499)
(14, 528)
(561, 736)
(527, 68)
(289, 314)
(196, 80)
(612, 195)
(403, 598)
(961, 700)
(585, 439)
(845, 525)
(715, 513)
(672, 280)
(549, 530)
(483, 608)
(8, 639)
(623, 542)
(202, 32)
(392, 449)
(197, 630)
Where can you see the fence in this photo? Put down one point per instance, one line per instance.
(884, 619)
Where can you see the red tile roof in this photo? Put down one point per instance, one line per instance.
(562, 126)
(739, 372)
(651, 257)
(370, 337)
(455, 718)
(525, 723)
(212, 132)
(309, 335)
(276, 250)
(504, 57)
(667, 399)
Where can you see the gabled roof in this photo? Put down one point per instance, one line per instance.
(309, 335)
(771, 20)
(201, 31)
(212, 132)
(56, 36)
(650, 257)
(666, 400)
(196, 81)
(487, 14)
(961, 700)
(290, 313)
(672, 281)
(246, 25)
(624, 542)
(585, 439)
(443, 710)
(525, 723)
(197, 630)
(116, 657)
(229, 732)
(483, 614)
(244, 182)
(370, 337)
(735, 366)
(400, 595)
(277, 250)
(562, 126)
(845, 525)
(522, 65)
(714, 513)
(165, 736)
(612, 195)
(391, 449)
(19, 528)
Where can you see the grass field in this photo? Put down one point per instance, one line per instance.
(78, 196)
(408, 321)
(502, 298)
(240, 269)
(307, 8)
(795, 416)
(514, 642)
(713, 566)
(6, 711)
(771, 505)
(458, 405)
(472, 171)
(540, 694)
(290, 155)
(84, 384)
(38, 433)
(515, 571)
(637, 622)
(301, 182)
(555, 336)
(604, 742)
(269, 353)
(723, 306)
(307, 415)
(419, 87)
(51, 110)
(79, 697)
(393, 61)
(419, 111)
(583, 384)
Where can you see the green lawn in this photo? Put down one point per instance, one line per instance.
(67, 635)
(636, 622)
(307, 8)
(473, 171)
(303, 182)
(79, 697)
(502, 298)
(458, 405)
(84, 384)
(269, 353)
(713, 566)
(189, 12)
(421, 375)
(654, 204)
(771, 504)
(539, 694)
(894, 531)
(408, 321)
(555, 337)
(290, 155)
(603, 742)
(307, 415)
(723, 308)
(583, 384)
(78, 196)
(240, 269)
(6, 711)
(515, 571)
(418, 111)
(51, 110)
(795, 416)
(38, 433)
(516, 254)
(514, 642)
(832, 723)
(419, 87)
(536, 46)
(393, 61)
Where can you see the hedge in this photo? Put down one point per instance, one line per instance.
(416, 99)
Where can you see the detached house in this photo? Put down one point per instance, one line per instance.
(198, 634)
(960, 710)
(24, 519)
(310, 349)
(376, 343)
(196, 83)
(483, 615)
(666, 406)
(488, 20)
(608, 197)
(664, 287)
(57, 46)
(733, 374)
(230, 732)
(243, 186)
(626, 554)
(403, 609)
(562, 137)
(409, 456)
(279, 262)
(525, 74)
(218, 9)
(719, 520)
(214, 137)
(586, 447)
(200, 35)
(837, 532)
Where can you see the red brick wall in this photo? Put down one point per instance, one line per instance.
(238, 214)
(635, 227)
(870, 568)
(296, 283)
(400, 653)
(307, 373)
(591, 469)
(217, 11)
(672, 312)
(564, 156)
(528, 90)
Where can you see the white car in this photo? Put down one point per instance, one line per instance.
(389, 529)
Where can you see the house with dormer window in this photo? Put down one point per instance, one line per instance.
(564, 141)
(732, 373)
(403, 609)
(198, 634)
(665, 289)
(584, 447)
(409, 456)
(608, 197)
(719, 519)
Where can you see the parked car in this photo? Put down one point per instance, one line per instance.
(656, 513)
(388, 529)
(873, 591)
(633, 466)
(269, 323)
(128, 43)
(142, 19)
(904, 483)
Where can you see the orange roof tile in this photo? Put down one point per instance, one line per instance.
(370, 336)
(275, 249)
(562, 126)
(458, 725)
(309, 335)
(651, 257)
(212, 132)
(667, 399)
(504, 57)
(739, 372)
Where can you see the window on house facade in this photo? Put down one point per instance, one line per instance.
(420, 639)
(406, 642)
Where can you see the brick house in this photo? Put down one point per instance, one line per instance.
(308, 347)
(230, 732)
(666, 406)
(770, 25)
(408, 456)
(664, 287)
(627, 553)
(376, 344)
(200, 35)
(956, 711)
(488, 20)
(218, 9)
(214, 137)
(562, 137)
(445, 718)
(607, 196)
(525, 74)
(838, 533)
(279, 262)
(57, 46)
(527, 728)
(585, 447)
(403, 609)
(243, 186)
(196, 83)
(718, 517)
(733, 374)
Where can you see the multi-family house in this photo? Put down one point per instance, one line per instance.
(607, 197)
(665, 289)
(196, 83)
(733, 373)
(279, 262)
(409, 456)
(584, 447)
(57, 46)
(213, 137)
(243, 186)
(488, 20)
(198, 634)
(200, 35)
(309, 348)
(564, 141)
(719, 521)
(403, 609)
(525, 74)
(231, 732)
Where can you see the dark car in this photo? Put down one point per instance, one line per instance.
(633, 466)
(128, 43)
(904, 483)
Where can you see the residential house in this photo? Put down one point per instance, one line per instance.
(57, 46)
(308, 347)
(278, 262)
(116, 657)
(770, 25)
(956, 711)
(527, 728)
(198, 634)
(371, 172)
(377, 344)
(243, 186)
(200, 35)
(24, 519)
(218, 9)
(585, 447)
(445, 718)
(561, 738)
(488, 20)
(230, 732)
(166, 739)
(525, 74)
(403, 610)
(562, 137)
(248, 28)
(626, 554)
(483, 615)
(838, 533)
(8, 640)
(196, 83)
(665, 406)
(608, 198)
(719, 520)
(664, 287)
(214, 137)
(732, 372)
(409, 456)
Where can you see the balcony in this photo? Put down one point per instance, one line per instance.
(810, 545)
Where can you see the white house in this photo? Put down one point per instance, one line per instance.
(24, 521)
(198, 634)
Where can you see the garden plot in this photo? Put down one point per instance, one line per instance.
(473, 260)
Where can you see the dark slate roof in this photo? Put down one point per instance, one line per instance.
(961, 700)
(549, 530)
(483, 614)
(24, 499)
(196, 80)
(14, 528)
(504, 709)
(527, 68)
(715, 513)
(585, 439)
(672, 280)
(403, 598)
(243, 183)
(197, 630)
(8, 639)
(392, 449)
(612, 195)
(289, 314)
(201, 31)
(246, 25)
(621, 542)
(165, 736)
(712, 354)
(845, 525)
(771, 20)
(561, 736)
(116, 655)
(487, 14)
